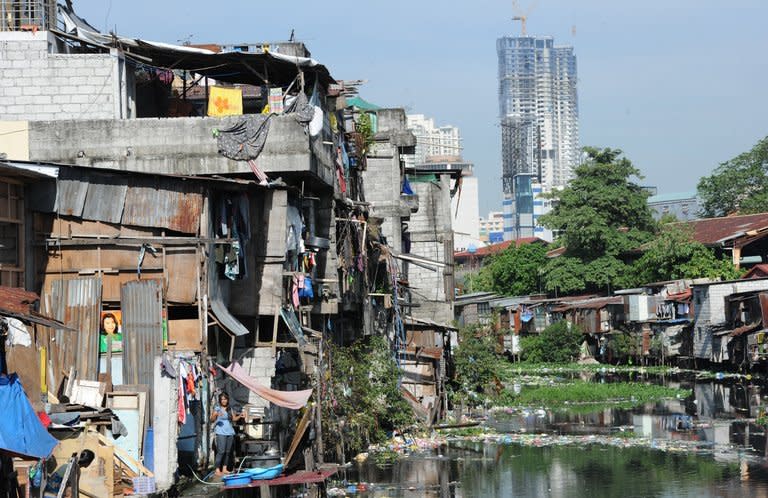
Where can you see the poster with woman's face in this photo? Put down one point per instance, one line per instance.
(110, 331)
(111, 322)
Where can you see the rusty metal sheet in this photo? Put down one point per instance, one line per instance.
(76, 303)
(164, 203)
(141, 302)
(71, 188)
(105, 199)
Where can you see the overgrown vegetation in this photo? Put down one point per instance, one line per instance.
(364, 126)
(558, 343)
(625, 393)
(673, 254)
(477, 359)
(362, 400)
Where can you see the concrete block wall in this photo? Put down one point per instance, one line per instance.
(382, 191)
(39, 85)
(430, 229)
(260, 364)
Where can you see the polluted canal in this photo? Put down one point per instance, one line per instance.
(708, 440)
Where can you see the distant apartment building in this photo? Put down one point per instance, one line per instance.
(432, 140)
(539, 119)
(682, 205)
(525, 209)
(492, 227)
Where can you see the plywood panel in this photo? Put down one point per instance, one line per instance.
(185, 334)
(182, 274)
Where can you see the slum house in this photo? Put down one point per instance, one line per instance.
(238, 318)
(740, 238)
(389, 210)
(473, 309)
(742, 343)
(433, 284)
(511, 318)
(422, 345)
(537, 312)
(20, 345)
(597, 318)
(709, 314)
(145, 270)
(659, 317)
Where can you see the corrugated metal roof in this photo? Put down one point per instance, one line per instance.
(141, 302)
(76, 303)
(482, 252)
(72, 187)
(596, 303)
(714, 231)
(105, 199)
(163, 203)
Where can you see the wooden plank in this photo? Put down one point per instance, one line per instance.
(300, 430)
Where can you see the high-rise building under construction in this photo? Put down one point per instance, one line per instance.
(539, 119)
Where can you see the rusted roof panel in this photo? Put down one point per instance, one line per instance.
(141, 302)
(164, 203)
(488, 250)
(714, 231)
(18, 303)
(71, 189)
(591, 304)
(77, 303)
(105, 199)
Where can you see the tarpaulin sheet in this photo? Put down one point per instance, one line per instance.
(286, 399)
(21, 432)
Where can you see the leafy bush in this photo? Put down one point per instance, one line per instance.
(558, 343)
(362, 400)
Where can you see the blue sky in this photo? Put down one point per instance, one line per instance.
(679, 85)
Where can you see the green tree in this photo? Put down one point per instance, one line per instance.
(558, 343)
(601, 216)
(739, 185)
(512, 272)
(477, 360)
(674, 254)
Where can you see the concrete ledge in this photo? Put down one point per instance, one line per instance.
(182, 146)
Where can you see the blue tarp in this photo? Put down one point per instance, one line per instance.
(21, 432)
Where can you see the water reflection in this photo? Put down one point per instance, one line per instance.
(718, 420)
(719, 414)
(480, 470)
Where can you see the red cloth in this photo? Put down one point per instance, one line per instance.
(44, 418)
(286, 399)
(182, 409)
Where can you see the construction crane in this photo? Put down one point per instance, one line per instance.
(521, 15)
